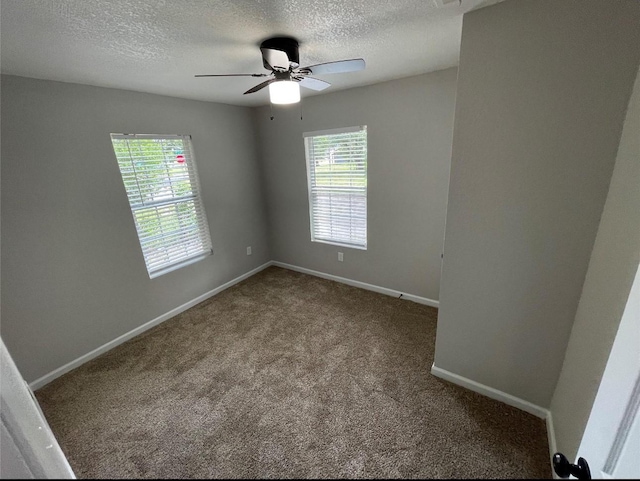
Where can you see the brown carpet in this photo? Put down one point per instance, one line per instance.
(286, 375)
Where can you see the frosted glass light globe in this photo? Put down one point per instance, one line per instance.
(284, 92)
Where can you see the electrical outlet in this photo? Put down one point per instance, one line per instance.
(249, 250)
(340, 257)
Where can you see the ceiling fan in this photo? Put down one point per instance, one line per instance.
(280, 55)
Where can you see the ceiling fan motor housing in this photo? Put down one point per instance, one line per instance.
(280, 57)
(287, 45)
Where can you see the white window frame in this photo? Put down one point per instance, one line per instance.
(183, 238)
(312, 188)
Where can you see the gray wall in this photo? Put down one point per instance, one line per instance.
(73, 275)
(614, 262)
(542, 90)
(410, 124)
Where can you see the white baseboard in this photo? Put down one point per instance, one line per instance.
(507, 399)
(436, 371)
(490, 392)
(362, 285)
(47, 378)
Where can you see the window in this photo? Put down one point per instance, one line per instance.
(337, 178)
(160, 177)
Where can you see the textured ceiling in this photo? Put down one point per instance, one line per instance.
(158, 46)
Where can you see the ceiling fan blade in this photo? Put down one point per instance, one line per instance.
(235, 75)
(312, 83)
(341, 66)
(275, 59)
(259, 86)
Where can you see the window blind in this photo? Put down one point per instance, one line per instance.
(161, 181)
(337, 180)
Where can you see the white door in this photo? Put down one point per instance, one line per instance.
(28, 448)
(611, 441)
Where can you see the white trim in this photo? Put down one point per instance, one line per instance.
(624, 429)
(362, 285)
(339, 244)
(490, 392)
(551, 438)
(47, 378)
(313, 190)
(509, 400)
(36, 451)
(180, 265)
(150, 136)
(339, 130)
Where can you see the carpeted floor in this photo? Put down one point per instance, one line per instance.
(286, 375)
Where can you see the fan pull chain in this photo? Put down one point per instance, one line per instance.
(271, 110)
(300, 106)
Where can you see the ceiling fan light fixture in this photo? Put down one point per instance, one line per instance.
(284, 92)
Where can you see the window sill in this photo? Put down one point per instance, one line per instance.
(186, 262)
(339, 244)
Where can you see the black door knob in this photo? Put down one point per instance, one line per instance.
(564, 468)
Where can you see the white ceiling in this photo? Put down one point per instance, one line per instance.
(158, 46)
